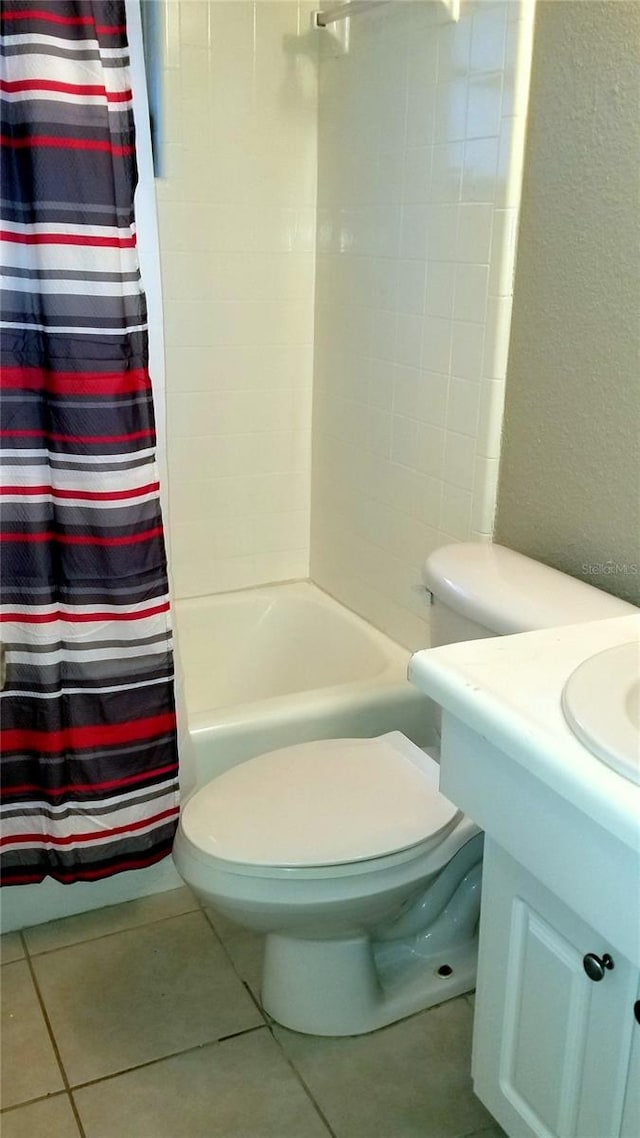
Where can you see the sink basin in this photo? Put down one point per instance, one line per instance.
(601, 703)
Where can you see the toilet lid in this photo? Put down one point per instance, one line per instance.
(322, 803)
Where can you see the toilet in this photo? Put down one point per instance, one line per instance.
(365, 879)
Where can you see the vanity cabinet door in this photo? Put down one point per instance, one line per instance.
(551, 1046)
(631, 1114)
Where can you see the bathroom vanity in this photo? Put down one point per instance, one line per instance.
(556, 1050)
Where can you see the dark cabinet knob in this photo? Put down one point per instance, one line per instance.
(636, 1010)
(595, 966)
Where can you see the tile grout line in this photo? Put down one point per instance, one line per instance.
(254, 999)
(229, 957)
(30, 1101)
(104, 936)
(486, 1130)
(163, 1058)
(302, 1082)
(268, 1024)
(54, 1044)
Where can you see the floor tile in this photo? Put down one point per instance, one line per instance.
(245, 949)
(112, 919)
(494, 1131)
(11, 948)
(29, 1066)
(140, 995)
(49, 1118)
(410, 1080)
(242, 1088)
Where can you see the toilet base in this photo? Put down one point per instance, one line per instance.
(334, 987)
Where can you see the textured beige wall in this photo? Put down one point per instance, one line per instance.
(569, 490)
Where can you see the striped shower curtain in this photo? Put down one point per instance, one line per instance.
(88, 742)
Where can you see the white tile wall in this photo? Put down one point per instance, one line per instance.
(421, 130)
(237, 237)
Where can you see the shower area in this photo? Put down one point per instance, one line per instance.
(337, 216)
(329, 296)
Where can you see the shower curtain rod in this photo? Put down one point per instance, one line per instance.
(322, 19)
(343, 11)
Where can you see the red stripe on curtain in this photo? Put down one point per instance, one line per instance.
(11, 86)
(57, 438)
(78, 539)
(67, 238)
(51, 140)
(83, 495)
(67, 21)
(109, 784)
(52, 17)
(90, 835)
(82, 618)
(81, 738)
(75, 382)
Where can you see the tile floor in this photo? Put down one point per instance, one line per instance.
(144, 1021)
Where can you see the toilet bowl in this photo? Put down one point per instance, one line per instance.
(364, 878)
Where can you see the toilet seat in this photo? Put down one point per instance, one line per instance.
(329, 803)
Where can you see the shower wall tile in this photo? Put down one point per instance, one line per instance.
(420, 144)
(236, 367)
(237, 238)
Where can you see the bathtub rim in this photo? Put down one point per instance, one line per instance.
(364, 692)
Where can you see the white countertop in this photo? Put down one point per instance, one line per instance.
(508, 690)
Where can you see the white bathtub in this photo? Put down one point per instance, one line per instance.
(283, 664)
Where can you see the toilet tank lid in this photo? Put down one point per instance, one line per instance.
(507, 592)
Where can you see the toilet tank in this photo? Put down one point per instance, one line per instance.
(481, 589)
